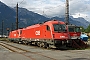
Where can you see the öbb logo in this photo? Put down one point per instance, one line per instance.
(37, 32)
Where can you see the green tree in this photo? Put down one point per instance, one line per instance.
(88, 29)
(82, 29)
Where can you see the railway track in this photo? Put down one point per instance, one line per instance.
(12, 48)
(23, 51)
(27, 51)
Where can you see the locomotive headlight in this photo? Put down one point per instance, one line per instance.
(62, 36)
(75, 37)
(14, 34)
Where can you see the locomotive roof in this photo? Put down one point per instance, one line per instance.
(33, 26)
(73, 25)
(45, 23)
(16, 30)
(54, 21)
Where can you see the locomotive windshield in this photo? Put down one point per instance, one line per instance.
(77, 29)
(71, 29)
(59, 27)
(74, 29)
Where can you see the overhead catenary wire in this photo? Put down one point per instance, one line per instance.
(21, 2)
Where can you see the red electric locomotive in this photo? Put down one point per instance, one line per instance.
(50, 33)
(75, 33)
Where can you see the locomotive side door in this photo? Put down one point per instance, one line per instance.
(47, 32)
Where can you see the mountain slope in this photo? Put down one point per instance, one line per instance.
(7, 15)
(82, 21)
(75, 21)
(26, 18)
(29, 17)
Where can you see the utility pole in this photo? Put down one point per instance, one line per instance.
(12, 27)
(67, 12)
(17, 16)
(8, 31)
(2, 28)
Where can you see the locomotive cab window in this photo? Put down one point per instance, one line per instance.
(77, 29)
(59, 27)
(71, 29)
(48, 28)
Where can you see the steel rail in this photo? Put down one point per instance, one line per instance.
(22, 51)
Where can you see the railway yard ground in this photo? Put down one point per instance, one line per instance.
(14, 51)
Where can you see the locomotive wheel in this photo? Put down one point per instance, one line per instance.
(29, 43)
(42, 44)
(48, 46)
(45, 45)
(19, 42)
(38, 44)
(25, 42)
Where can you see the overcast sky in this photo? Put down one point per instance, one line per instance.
(78, 8)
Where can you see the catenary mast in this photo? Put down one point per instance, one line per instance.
(67, 12)
(17, 16)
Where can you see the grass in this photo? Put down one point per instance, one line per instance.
(88, 39)
(3, 39)
(88, 47)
